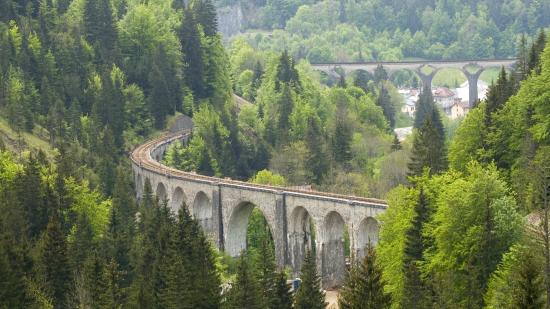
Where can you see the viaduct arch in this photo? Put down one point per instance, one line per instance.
(223, 207)
(472, 69)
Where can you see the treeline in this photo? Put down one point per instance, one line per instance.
(376, 30)
(98, 76)
(471, 229)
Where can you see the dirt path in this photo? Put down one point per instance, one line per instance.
(332, 299)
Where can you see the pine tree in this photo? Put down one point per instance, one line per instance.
(286, 104)
(53, 264)
(536, 50)
(198, 261)
(384, 100)
(205, 15)
(100, 28)
(342, 81)
(362, 80)
(341, 140)
(424, 107)
(193, 58)
(282, 297)
(497, 95)
(95, 283)
(380, 74)
(266, 273)
(364, 287)
(286, 72)
(530, 291)
(415, 292)
(396, 144)
(309, 294)
(429, 147)
(316, 155)
(82, 244)
(245, 291)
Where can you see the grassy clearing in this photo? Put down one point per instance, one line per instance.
(32, 140)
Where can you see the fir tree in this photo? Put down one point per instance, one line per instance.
(424, 107)
(53, 264)
(396, 144)
(384, 100)
(82, 244)
(193, 58)
(266, 273)
(361, 80)
(429, 147)
(95, 283)
(415, 291)
(286, 72)
(205, 15)
(497, 95)
(316, 155)
(198, 261)
(341, 140)
(364, 287)
(380, 74)
(245, 291)
(286, 105)
(342, 81)
(282, 297)
(536, 50)
(309, 294)
(530, 291)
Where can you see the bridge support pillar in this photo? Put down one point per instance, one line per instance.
(426, 78)
(282, 256)
(472, 85)
(217, 216)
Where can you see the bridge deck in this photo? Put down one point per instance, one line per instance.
(141, 156)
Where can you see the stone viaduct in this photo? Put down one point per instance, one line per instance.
(223, 207)
(472, 69)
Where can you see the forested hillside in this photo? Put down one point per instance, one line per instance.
(82, 82)
(330, 30)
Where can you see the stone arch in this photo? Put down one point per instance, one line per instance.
(396, 76)
(161, 192)
(178, 197)
(333, 261)
(300, 236)
(202, 210)
(237, 228)
(367, 233)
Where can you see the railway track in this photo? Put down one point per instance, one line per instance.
(142, 156)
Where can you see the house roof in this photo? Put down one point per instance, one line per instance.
(443, 92)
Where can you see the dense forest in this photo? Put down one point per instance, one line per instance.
(84, 81)
(349, 30)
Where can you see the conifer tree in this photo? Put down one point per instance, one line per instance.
(286, 72)
(205, 15)
(429, 147)
(198, 261)
(309, 294)
(53, 264)
(383, 100)
(497, 95)
(193, 58)
(95, 283)
(316, 156)
(266, 273)
(245, 291)
(282, 298)
(341, 141)
(536, 50)
(530, 290)
(380, 74)
(364, 287)
(396, 144)
(82, 244)
(286, 104)
(342, 81)
(424, 107)
(362, 80)
(415, 293)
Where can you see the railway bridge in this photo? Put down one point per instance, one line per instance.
(424, 69)
(298, 220)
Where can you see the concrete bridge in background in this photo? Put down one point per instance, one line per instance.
(424, 69)
(295, 217)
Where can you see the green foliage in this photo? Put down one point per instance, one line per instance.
(245, 292)
(364, 286)
(267, 177)
(309, 294)
(428, 150)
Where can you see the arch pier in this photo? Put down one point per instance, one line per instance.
(418, 68)
(298, 220)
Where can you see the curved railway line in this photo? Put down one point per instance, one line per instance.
(142, 156)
